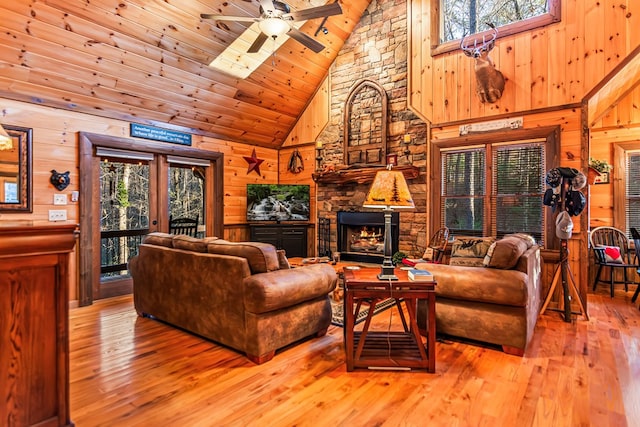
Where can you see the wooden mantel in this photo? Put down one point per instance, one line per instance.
(360, 175)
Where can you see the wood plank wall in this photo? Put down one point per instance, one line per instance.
(545, 67)
(302, 137)
(55, 146)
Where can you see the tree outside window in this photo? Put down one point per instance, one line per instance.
(460, 18)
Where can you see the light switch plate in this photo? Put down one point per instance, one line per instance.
(59, 199)
(57, 215)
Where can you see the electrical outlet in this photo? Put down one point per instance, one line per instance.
(59, 199)
(57, 215)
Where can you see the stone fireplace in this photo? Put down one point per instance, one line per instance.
(361, 235)
(363, 130)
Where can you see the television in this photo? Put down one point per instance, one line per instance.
(278, 202)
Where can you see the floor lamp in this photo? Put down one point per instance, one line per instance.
(388, 191)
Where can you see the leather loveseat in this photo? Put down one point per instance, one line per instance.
(494, 300)
(239, 294)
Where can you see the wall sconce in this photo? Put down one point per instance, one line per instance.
(406, 139)
(318, 155)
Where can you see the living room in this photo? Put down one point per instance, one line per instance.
(573, 79)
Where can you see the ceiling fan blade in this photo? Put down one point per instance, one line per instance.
(258, 42)
(315, 12)
(267, 6)
(228, 18)
(307, 41)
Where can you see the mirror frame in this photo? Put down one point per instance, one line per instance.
(23, 137)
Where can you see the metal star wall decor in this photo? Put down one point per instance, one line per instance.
(254, 163)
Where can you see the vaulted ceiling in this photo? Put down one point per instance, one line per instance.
(147, 61)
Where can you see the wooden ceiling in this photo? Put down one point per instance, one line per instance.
(146, 61)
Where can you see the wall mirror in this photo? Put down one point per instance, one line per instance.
(15, 171)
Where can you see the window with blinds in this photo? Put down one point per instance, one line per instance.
(463, 191)
(632, 194)
(518, 189)
(514, 202)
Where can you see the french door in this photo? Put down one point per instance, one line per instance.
(126, 214)
(129, 188)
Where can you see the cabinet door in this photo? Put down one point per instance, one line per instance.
(294, 241)
(29, 353)
(266, 235)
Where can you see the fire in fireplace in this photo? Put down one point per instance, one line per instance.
(361, 235)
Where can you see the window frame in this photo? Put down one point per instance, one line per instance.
(437, 48)
(620, 220)
(552, 149)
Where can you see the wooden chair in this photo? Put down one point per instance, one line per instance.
(437, 246)
(186, 226)
(600, 239)
(635, 234)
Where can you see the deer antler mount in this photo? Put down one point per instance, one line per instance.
(489, 80)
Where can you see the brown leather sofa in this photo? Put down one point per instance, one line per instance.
(239, 294)
(497, 305)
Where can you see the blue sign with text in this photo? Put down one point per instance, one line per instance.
(158, 134)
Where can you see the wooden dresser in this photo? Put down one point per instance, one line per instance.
(34, 307)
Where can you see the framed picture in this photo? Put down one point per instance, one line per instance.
(15, 170)
(392, 159)
(603, 178)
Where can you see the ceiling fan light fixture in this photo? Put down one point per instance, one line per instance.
(273, 27)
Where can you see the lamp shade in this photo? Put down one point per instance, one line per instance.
(389, 190)
(6, 143)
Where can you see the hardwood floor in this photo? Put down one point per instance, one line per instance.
(132, 371)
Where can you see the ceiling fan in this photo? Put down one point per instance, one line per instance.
(276, 19)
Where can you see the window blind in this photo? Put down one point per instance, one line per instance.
(632, 207)
(518, 189)
(463, 191)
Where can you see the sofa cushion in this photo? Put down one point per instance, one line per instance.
(262, 257)
(485, 285)
(467, 261)
(283, 262)
(505, 252)
(611, 254)
(470, 251)
(528, 238)
(471, 247)
(159, 239)
(189, 243)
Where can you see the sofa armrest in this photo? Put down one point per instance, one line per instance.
(270, 291)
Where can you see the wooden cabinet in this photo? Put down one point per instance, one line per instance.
(34, 346)
(291, 238)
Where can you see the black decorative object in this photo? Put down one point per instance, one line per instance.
(60, 180)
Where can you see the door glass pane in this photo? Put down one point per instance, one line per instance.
(186, 194)
(124, 214)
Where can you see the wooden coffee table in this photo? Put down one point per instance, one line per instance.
(388, 349)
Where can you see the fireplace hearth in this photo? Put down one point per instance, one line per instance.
(361, 235)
